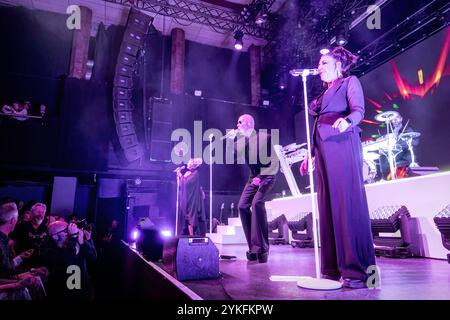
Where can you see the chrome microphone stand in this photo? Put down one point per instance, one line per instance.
(307, 282)
(178, 173)
(210, 183)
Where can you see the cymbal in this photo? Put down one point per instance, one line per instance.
(386, 116)
(411, 135)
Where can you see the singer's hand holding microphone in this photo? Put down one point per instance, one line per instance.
(178, 170)
(230, 134)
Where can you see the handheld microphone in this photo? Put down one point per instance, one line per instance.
(230, 134)
(179, 168)
(306, 72)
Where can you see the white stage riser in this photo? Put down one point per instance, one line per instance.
(219, 238)
(424, 197)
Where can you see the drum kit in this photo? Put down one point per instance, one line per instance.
(387, 145)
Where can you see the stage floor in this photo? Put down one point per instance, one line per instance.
(401, 279)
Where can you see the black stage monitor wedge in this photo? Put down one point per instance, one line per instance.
(151, 244)
(191, 258)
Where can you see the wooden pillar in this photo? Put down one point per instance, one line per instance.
(80, 45)
(177, 62)
(255, 74)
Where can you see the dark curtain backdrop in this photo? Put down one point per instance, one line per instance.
(219, 73)
(34, 42)
(222, 116)
(79, 125)
(34, 58)
(78, 120)
(85, 127)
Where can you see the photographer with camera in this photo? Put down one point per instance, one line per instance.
(69, 246)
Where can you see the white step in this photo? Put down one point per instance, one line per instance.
(230, 230)
(233, 233)
(234, 221)
(219, 238)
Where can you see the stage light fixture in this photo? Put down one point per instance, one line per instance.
(283, 78)
(246, 13)
(135, 235)
(324, 51)
(166, 233)
(261, 19)
(89, 68)
(341, 33)
(262, 15)
(279, 230)
(390, 219)
(302, 230)
(238, 36)
(442, 221)
(198, 93)
(341, 40)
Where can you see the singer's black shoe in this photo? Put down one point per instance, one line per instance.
(263, 257)
(354, 284)
(334, 278)
(251, 256)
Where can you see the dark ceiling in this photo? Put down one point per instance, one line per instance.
(306, 26)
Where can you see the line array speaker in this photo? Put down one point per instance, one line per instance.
(161, 131)
(137, 27)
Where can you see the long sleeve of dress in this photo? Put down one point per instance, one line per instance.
(355, 98)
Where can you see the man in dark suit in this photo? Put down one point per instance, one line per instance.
(254, 147)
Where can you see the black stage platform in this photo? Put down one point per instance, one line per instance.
(401, 279)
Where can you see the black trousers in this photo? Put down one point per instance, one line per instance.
(254, 221)
(345, 234)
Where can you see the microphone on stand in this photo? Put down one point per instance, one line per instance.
(230, 133)
(306, 72)
(179, 168)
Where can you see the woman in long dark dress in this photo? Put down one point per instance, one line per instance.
(346, 240)
(192, 198)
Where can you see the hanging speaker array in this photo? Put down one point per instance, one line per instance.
(137, 27)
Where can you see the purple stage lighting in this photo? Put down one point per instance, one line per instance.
(239, 44)
(166, 233)
(135, 235)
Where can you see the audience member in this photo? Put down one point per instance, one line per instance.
(11, 281)
(21, 111)
(31, 234)
(68, 246)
